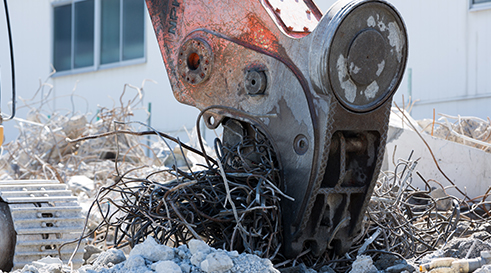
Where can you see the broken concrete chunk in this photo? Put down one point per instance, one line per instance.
(363, 264)
(252, 263)
(75, 126)
(166, 267)
(89, 251)
(233, 254)
(46, 264)
(465, 248)
(135, 262)
(197, 258)
(111, 256)
(442, 203)
(217, 262)
(152, 251)
(484, 269)
(196, 246)
(481, 235)
(185, 267)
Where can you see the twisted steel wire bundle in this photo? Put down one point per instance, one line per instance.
(232, 204)
(408, 218)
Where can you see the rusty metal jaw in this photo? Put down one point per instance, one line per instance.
(320, 94)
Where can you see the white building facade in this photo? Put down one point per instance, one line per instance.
(93, 85)
(449, 66)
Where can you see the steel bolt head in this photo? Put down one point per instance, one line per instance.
(301, 144)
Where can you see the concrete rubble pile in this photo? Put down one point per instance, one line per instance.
(152, 257)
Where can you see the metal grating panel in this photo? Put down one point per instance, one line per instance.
(46, 215)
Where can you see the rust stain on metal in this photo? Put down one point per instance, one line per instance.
(256, 33)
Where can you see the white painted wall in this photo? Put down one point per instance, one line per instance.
(31, 22)
(450, 60)
(450, 57)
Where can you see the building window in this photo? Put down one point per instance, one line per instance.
(82, 41)
(480, 4)
(121, 30)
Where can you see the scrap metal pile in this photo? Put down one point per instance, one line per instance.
(228, 201)
(470, 131)
(43, 151)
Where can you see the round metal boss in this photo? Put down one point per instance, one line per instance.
(301, 144)
(367, 55)
(195, 61)
(255, 82)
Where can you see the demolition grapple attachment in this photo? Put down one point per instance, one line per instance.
(319, 87)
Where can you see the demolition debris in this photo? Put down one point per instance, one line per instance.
(212, 204)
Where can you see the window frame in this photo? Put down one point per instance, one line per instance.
(480, 6)
(97, 41)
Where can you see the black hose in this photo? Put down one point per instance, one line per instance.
(11, 59)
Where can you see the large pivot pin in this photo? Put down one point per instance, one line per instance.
(364, 56)
(195, 61)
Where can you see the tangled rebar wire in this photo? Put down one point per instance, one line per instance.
(41, 151)
(232, 204)
(471, 131)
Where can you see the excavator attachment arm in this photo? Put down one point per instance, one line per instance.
(318, 86)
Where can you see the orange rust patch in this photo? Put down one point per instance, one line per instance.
(258, 34)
